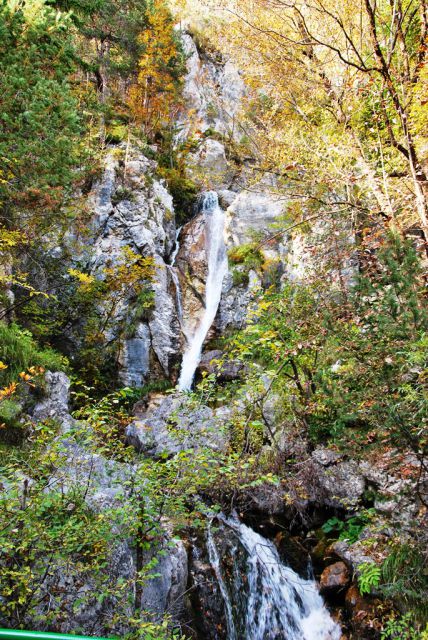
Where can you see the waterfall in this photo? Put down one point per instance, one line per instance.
(217, 268)
(263, 598)
(174, 275)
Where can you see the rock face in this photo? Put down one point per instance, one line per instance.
(206, 598)
(343, 484)
(212, 362)
(213, 91)
(253, 210)
(165, 593)
(209, 162)
(235, 302)
(106, 483)
(131, 208)
(55, 405)
(341, 481)
(135, 357)
(353, 554)
(171, 424)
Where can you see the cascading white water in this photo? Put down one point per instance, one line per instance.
(277, 604)
(176, 247)
(174, 276)
(217, 269)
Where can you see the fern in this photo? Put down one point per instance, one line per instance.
(370, 574)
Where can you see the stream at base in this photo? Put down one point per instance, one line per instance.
(263, 598)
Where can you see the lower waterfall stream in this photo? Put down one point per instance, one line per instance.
(217, 269)
(263, 598)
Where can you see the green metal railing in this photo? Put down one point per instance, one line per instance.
(14, 634)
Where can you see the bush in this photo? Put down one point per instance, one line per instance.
(18, 351)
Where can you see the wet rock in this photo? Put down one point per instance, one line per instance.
(353, 597)
(226, 198)
(363, 613)
(171, 425)
(266, 499)
(206, 599)
(334, 578)
(192, 266)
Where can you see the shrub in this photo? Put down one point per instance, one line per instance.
(18, 350)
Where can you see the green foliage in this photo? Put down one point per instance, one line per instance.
(349, 529)
(402, 628)
(86, 310)
(246, 254)
(122, 193)
(183, 191)
(347, 366)
(405, 579)
(40, 119)
(107, 418)
(244, 257)
(172, 168)
(19, 351)
(116, 26)
(369, 577)
(49, 528)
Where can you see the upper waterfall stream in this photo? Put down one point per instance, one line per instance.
(174, 275)
(263, 598)
(217, 268)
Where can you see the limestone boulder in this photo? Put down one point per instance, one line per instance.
(171, 424)
(54, 406)
(340, 480)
